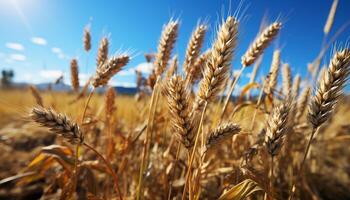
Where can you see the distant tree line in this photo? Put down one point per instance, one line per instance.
(7, 78)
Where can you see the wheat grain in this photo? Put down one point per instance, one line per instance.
(329, 88)
(166, 45)
(260, 43)
(58, 123)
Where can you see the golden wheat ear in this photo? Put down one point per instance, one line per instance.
(329, 88)
(178, 103)
(87, 39)
(194, 47)
(165, 46)
(274, 69)
(102, 53)
(218, 64)
(74, 71)
(36, 94)
(277, 127)
(107, 70)
(221, 134)
(260, 43)
(58, 123)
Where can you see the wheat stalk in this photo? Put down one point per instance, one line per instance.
(107, 70)
(178, 103)
(222, 133)
(74, 71)
(58, 123)
(102, 54)
(286, 79)
(260, 43)
(36, 95)
(194, 47)
(165, 46)
(87, 39)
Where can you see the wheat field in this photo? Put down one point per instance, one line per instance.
(183, 135)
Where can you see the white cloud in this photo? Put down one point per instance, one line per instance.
(15, 46)
(248, 75)
(18, 57)
(56, 50)
(50, 74)
(145, 68)
(38, 41)
(127, 72)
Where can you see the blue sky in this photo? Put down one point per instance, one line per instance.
(39, 37)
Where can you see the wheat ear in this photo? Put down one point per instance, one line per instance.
(178, 103)
(108, 69)
(195, 72)
(302, 103)
(330, 18)
(260, 43)
(110, 102)
(87, 39)
(275, 65)
(165, 46)
(58, 123)
(74, 71)
(222, 133)
(173, 67)
(329, 88)
(194, 47)
(277, 127)
(286, 79)
(36, 94)
(102, 54)
(218, 64)
(296, 85)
